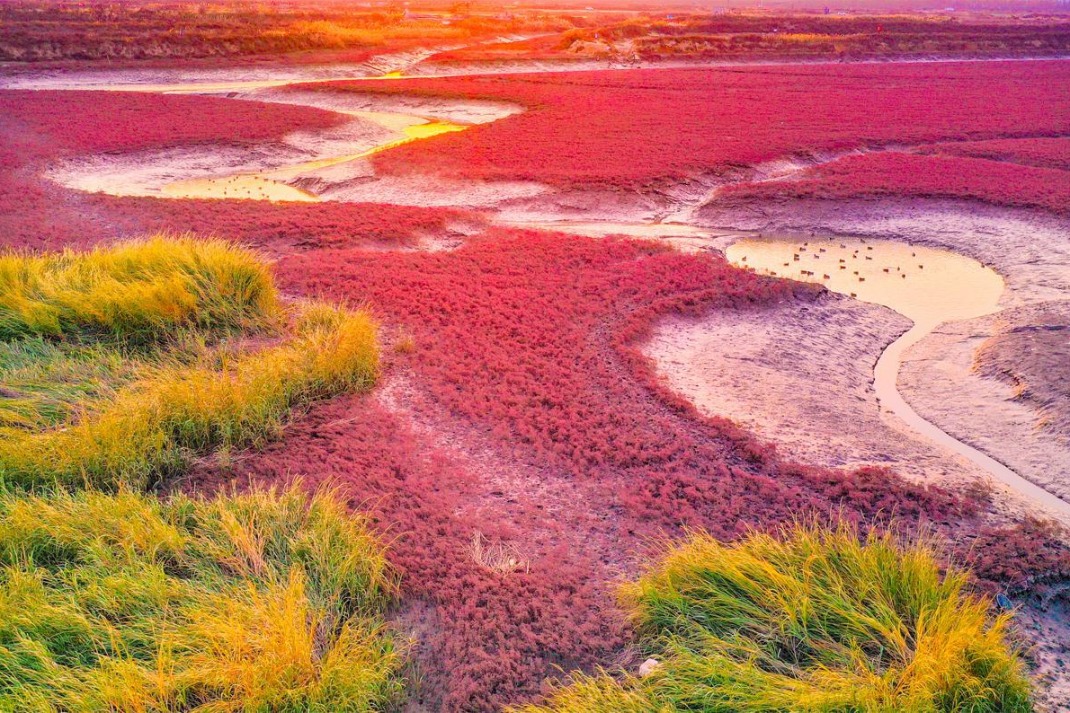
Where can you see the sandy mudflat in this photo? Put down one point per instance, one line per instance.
(941, 382)
(801, 376)
(940, 378)
(1031, 352)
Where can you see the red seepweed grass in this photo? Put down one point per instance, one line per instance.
(579, 128)
(528, 416)
(893, 174)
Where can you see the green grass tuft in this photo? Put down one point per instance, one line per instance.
(263, 601)
(136, 291)
(813, 621)
(121, 364)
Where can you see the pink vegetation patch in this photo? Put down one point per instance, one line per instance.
(285, 226)
(1041, 152)
(78, 122)
(895, 174)
(526, 414)
(582, 128)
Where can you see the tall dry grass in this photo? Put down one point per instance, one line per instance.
(118, 366)
(138, 290)
(124, 363)
(810, 621)
(269, 600)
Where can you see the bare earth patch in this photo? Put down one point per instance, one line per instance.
(801, 376)
(942, 384)
(979, 404)
(1031, 352)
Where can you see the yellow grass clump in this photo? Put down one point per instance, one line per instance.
(88, 410)
(269, 600)
(138, 290)
(810, 621)
(118, 366)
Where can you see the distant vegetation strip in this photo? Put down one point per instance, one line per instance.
(270, 600)
(139, 31)
(40, 31)
(745, 35)
(815, 620)
(122, 363)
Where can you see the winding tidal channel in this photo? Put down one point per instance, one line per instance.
(928, 286)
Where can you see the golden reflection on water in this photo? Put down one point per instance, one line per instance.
(927, 285)
(273, 185)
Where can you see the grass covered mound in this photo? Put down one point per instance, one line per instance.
(813, 621)
(140, 290)
(263, 601)
(120, 364)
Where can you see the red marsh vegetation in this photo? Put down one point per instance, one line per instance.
(524, 415)
(1042, 153)
(80, 122)
(579, 128)
(892, 173)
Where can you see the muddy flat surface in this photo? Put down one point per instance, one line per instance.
(940, 378)
(802, 378)
(1030, 352)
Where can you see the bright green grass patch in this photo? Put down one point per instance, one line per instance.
(814, 621)
(175, 349)
(266, 601)
(43, 382)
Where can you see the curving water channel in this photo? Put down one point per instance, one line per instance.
(928, 286)
(274, 184)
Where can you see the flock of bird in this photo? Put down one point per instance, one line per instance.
(816, 252)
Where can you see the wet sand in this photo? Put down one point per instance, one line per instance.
(939, 377)
(931, 287)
